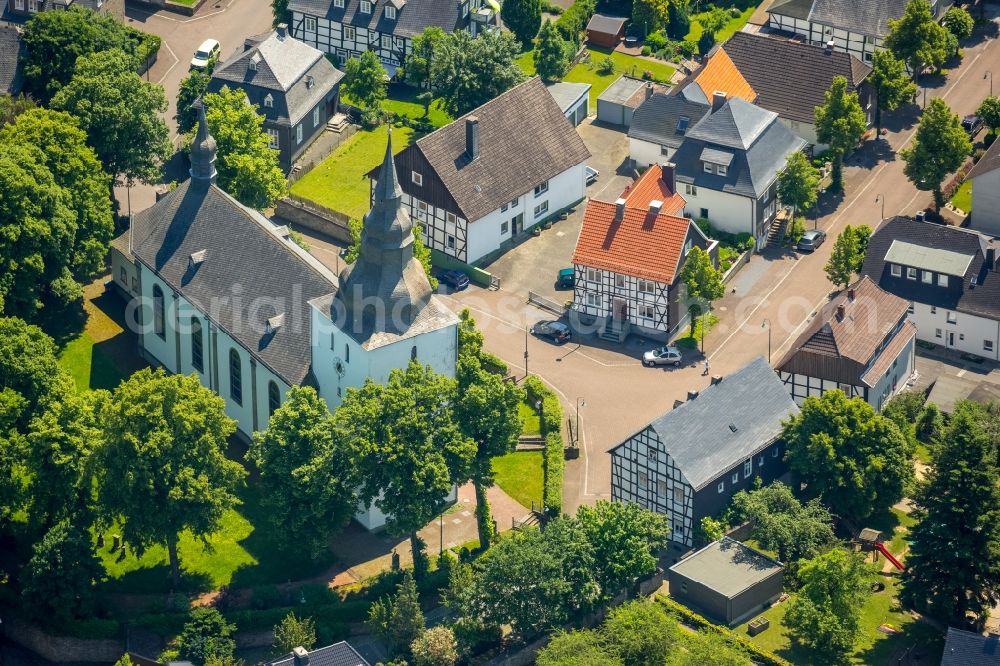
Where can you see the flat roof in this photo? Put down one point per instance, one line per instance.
(566, 93)
(928, 258)
(728, 567)
(621, 90)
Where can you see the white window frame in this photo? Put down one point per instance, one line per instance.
(316, 117)
(690, 190)
(541, 209)
(451, 218)
(748, 468)
(896, 270)
(417, 178)
(942, 280)
(951, 317)
(339, 4)
(593, 275)
(643, 480)
(421, 210)
(390, 12)
(911, 273)
(909, 308)
(513, 204)
(707, 166)
(988, 345)
(273, 138)
(646, 286)
(937, 333)
(504, 228)
(721, 487)
(309, 23)
(298, 134)
(647, 311)
(386, 41)
(933, 309)
(927, 277)
(593, 299)
(541, 188)
(19, 5)
(268, 101)
(619, 281)
(350, 33)
(736, 477)
(678, 495)
(503, 208)
(450, 242)
(366, 7)
(722, 170)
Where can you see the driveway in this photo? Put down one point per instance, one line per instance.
(534, 264)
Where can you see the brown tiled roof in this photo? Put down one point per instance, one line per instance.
(889, 354)
(841, 348)
(721, 74)
(524, 140)
(640, 244)
(650, 187)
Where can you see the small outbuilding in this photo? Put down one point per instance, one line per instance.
(727, 581)
(618, 102)
(605, 31)
(572, 98)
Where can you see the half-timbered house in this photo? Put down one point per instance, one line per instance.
(688, 463)
(496, 172)
(628, 259)
(860, 343)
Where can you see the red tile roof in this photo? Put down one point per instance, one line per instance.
(639, 245)
(649, 187)
(721, 74)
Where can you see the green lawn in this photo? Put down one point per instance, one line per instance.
(243, 553)
(402, 101)
(89, 366)
(874, 648)
(962, 199)
(586, 72)
(339, 182)
(526, 61)
(734, 25)
(519, 474)
(529, 419)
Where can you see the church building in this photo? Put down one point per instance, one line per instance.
(216, 289)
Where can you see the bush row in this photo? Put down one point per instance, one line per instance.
(688, 616)
(742, 241)
(575, 19)
(551, 427)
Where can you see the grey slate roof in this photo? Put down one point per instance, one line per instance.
(621, 90)
(981, 299)
(284, 66)
(566, 93)
(990, 161)
(728, 567)
(789, 77)
(759, 142)
(610, 25)
(656, 120)
(243, 249)
(11, 48)
(964, 648)
(338, 654)
(524, 139)
(866, 17)
(411, 19)
(698, 435)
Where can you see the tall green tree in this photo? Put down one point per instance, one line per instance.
(281, 13)
(641, 633)
(892, 86)
(709, 647)
(37, 231)
(13, 106)
(121, 114)
(206, 635)
(952, 567)
(917, 39)
(550, 53)
(410, 450)
(523, 18)
(365, 81)
(798, 184)
(308, 475)
(74, 167)
(846, 258)
(678, 19)
(486, 410)
(703, 282)
(650, 14)
(33, 380)
(435, 647)
(854, 460)
(826, 611)
(398, 620)
(939, 148)
(626, 539)
(293, 632)
(161, 468)
(420, 61)
(989, 112)
(840, 124)
(58, 581)
(247, 166)
(959, 22)
(783, 524)
(192, 88)
(572, 648)
(470, 72)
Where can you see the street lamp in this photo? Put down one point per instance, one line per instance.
(579, 403)
(526, 352)
(882, 199)
(989, 73)
(767, 323)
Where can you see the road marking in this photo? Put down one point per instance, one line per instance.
(176, 60)
(159, 15)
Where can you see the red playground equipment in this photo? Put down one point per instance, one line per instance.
(870, 541)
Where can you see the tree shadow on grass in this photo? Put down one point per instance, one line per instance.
(156, 580)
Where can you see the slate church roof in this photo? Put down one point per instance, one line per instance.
(726, 423)
(11, 49)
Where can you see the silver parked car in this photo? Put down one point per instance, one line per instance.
(662, 356)
(811, 240)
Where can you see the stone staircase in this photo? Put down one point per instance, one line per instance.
(337, 123)
(614, 330)
(776, 234)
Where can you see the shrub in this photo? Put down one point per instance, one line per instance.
(656, 40)
(435, 647)
(606, 66)
(551, 425)
(646, 51)
(206, 634)
(266, 596)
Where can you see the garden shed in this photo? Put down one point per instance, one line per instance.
(605, 31)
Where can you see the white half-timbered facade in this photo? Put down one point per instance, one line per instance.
(688, 463)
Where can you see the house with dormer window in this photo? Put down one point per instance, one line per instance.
(688, 463)
(294, 87)
(949, 278)
(348, 28)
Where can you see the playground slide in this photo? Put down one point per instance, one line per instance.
(885, 551)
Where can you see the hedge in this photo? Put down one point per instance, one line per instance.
(575, 19)
(551, 426)
(688, 616)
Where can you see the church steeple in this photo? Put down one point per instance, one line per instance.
(203, 151)
(386, 287)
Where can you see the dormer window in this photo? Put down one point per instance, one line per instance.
(310, 82)
(896, 270)
(722, 170)
(269, 101)
(465, 9)
(942, 280)
(197, 258)
(707, 166)
(911, 273)
(252, 64)
(682, 124)
(366, 7)
(339, 4)
(274, 323)
(390, 13)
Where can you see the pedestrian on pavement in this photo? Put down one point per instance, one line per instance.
(708, 366)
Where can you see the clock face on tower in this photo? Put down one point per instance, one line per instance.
(338, 365)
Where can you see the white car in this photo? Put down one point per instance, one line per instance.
(662, 356)
(209, 49)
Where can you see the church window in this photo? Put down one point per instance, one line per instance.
(197, 356)
(273, 398)
(413, 352)
(347, 353)
(235, 377)
(158, 314)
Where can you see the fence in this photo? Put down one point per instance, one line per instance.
(546, 303)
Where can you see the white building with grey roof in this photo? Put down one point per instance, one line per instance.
(688, 463)
(220, 292)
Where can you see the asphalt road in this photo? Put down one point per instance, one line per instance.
(229, 21)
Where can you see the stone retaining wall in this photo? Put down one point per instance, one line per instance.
(303, 216)
(60, 648)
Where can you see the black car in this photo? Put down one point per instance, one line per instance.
(972, 124)
(556, 331)
(457, 280)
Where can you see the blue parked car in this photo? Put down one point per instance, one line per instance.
(455, 279)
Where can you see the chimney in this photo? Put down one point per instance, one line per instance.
(300, 655)
(619, 209)
(655, 206)
(668, 174)
(718, 100)
(828, 49)
(649, 89)
(716, 379)
(472, 137)
(840, 312)
(692, 395)
(851, 293)
(282, 30)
